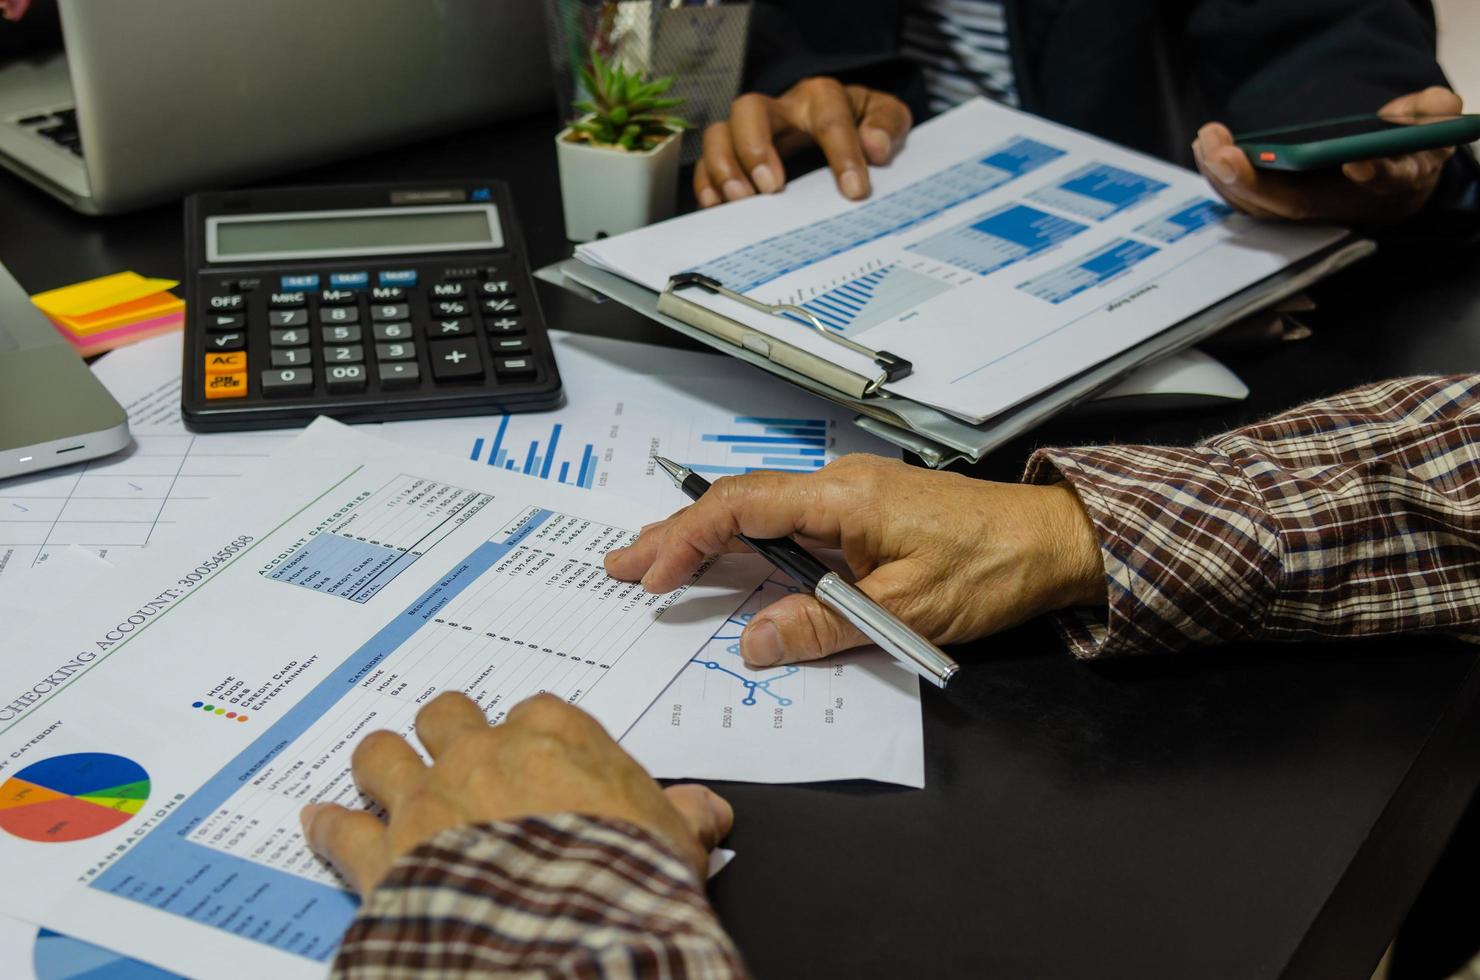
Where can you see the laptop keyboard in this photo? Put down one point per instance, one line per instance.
(59, 127)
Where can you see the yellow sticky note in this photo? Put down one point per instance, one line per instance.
(93, 295)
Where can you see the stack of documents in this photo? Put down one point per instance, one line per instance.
(149, 792)
(1018, 266)
(101, 314)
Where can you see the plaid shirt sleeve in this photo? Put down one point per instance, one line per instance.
(563, 896)
(1351, 516)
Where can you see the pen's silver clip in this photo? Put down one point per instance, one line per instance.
(892, 367)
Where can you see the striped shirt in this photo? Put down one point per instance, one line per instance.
(1355, 515)
(961, 47)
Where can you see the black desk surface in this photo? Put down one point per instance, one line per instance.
(1253, 811)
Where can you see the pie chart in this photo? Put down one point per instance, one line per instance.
(72, 797)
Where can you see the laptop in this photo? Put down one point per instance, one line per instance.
(154, 98)
(53, 411)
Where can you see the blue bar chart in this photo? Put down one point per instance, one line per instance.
(1095, 269)
(755, 265)
(873, 297)
(537, 457)
(761, 443)
(1098, 191)
(1185, 219)
(998, 238)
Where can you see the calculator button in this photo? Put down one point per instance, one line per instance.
(448, 290)
(287, 381)
(348, 354)
(392, 331)
(455, 360)
(226, 321)
(397, 277)
(395, 352)
(336, 297)
(514, 367)
(343, 379)
(339, 314)
(506, 346)
(292, 357)
(389, 311)
(282, 300)
(232, 363)
(387, 294)
(296, 337)
(500, 305)
(226, 385)
(496, 287)
(349, 280)
(455, 327)
(291, 283)
(342, 335)
(227, 341)
(505, 325)
(287, 318)
(234, 303)
(402, 375)
(451, 307)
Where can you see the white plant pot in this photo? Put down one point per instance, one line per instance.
(607, 191)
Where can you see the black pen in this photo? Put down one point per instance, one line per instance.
(872, 619)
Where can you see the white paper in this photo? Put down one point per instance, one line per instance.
(233, 671)
(124, 501)
(626, 402)
(852, 716)
(1000, 253)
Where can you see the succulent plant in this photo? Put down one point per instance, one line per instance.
(624, 109)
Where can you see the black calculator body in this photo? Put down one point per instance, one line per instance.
(365, 303)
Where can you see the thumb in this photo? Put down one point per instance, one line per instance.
(707, 814)
(796, 628)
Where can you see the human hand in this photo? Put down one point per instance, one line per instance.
(1362, 192)
(853, 125)
(546, 758)
(13, 9)
(955, 558)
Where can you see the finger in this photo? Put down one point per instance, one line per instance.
(1398, 174)
(760, 505)
(448, 715)
(708, 815)
(630, 562)
(753, 126)
(883, 123)
(385, 767)
(352, 841)
(794, 629)
(820, 106)
(725, 173)
(1262, 193)
(547, 714)
(1432, 101)
(704, 191)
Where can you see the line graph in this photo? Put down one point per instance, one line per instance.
(729, 637)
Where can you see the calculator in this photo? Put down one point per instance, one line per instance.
(365, 303)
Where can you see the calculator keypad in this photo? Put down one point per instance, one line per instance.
(391, 330)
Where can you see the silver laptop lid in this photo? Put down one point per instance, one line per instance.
(180, 95)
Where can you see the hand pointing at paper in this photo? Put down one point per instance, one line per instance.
(953, 557)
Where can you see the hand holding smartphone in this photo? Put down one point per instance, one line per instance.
(1332, 142)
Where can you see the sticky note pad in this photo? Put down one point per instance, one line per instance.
(94, 295)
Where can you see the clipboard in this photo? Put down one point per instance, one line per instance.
(939, 439)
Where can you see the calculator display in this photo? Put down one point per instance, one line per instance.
(372, 231)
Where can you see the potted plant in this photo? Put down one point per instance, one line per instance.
(619, 160)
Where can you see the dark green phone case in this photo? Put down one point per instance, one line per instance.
(1266, 151)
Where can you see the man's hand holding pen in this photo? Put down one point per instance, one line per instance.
(953, 557)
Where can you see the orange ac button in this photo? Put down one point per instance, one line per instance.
(226, 362)
(226, 386)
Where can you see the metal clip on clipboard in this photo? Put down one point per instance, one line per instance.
(892, 367)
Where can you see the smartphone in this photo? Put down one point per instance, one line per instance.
(1332, 142)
